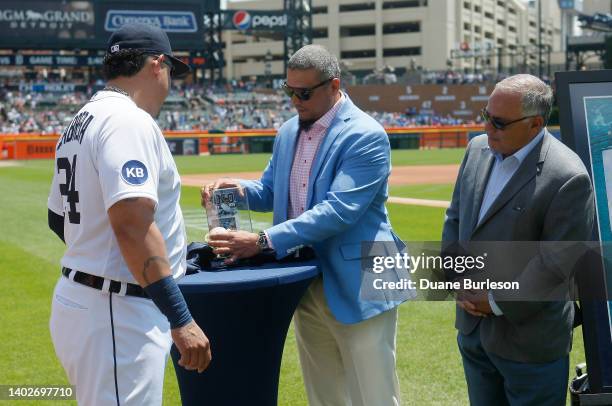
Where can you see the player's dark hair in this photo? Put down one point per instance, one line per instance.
(126, 62)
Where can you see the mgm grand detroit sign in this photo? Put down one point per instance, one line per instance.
(70, 20)
(86, 24)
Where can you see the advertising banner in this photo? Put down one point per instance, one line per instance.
(39, 22)
(248, 21)
(34, 149)
(50, 60)
(169, 21)
(77, 60)
(87, 24)
(184, 146)
(181, 21)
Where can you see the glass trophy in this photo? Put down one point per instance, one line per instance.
(229, 209)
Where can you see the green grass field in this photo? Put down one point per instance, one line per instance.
(257, 162)
(433, 192)
(429, 365)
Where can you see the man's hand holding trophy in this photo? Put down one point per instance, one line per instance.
(229, 222)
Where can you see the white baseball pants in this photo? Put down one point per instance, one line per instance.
(114, 348)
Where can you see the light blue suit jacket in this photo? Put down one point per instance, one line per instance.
(345, 206)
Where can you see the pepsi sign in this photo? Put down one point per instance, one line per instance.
(256, 20)
(241, 20)
(179, 22)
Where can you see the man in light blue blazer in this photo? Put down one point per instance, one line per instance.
(326, 184)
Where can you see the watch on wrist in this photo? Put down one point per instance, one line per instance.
(262, 241)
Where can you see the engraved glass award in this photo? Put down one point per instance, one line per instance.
(229, 209)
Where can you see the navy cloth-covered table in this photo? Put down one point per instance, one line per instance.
(245, 314)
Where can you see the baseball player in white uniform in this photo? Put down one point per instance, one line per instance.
(114, 200)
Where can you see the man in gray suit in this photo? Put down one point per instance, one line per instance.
(517, 183)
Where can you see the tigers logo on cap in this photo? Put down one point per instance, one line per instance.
(149, 39)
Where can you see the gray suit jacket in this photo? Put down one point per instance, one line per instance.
(549, 198)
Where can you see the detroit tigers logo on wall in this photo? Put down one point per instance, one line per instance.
(134, 173)
(241, 20)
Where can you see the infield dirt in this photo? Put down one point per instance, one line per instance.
(400, 175)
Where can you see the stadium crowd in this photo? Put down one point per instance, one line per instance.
(22, 112)
(452, 77)
(188, 108)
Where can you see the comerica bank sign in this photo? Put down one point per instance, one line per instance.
(170, 21)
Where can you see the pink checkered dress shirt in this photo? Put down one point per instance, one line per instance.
(305, 154)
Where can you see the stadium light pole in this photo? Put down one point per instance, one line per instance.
(268, 68)
(540, 38)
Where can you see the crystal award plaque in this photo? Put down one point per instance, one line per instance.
(229, 209)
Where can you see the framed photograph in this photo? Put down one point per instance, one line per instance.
(585, 113)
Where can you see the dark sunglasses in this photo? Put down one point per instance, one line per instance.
(166, 61)
(302, 93)
(499, 124)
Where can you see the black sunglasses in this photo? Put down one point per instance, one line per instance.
(499, 124)
(166, 61)
(302, 93)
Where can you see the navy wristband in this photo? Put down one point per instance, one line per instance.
(170, 301)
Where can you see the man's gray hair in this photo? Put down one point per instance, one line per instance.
(536, 96)
(318, 58)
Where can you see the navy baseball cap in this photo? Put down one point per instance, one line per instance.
(147, 38)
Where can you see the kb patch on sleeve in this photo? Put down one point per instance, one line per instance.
(134, 173)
